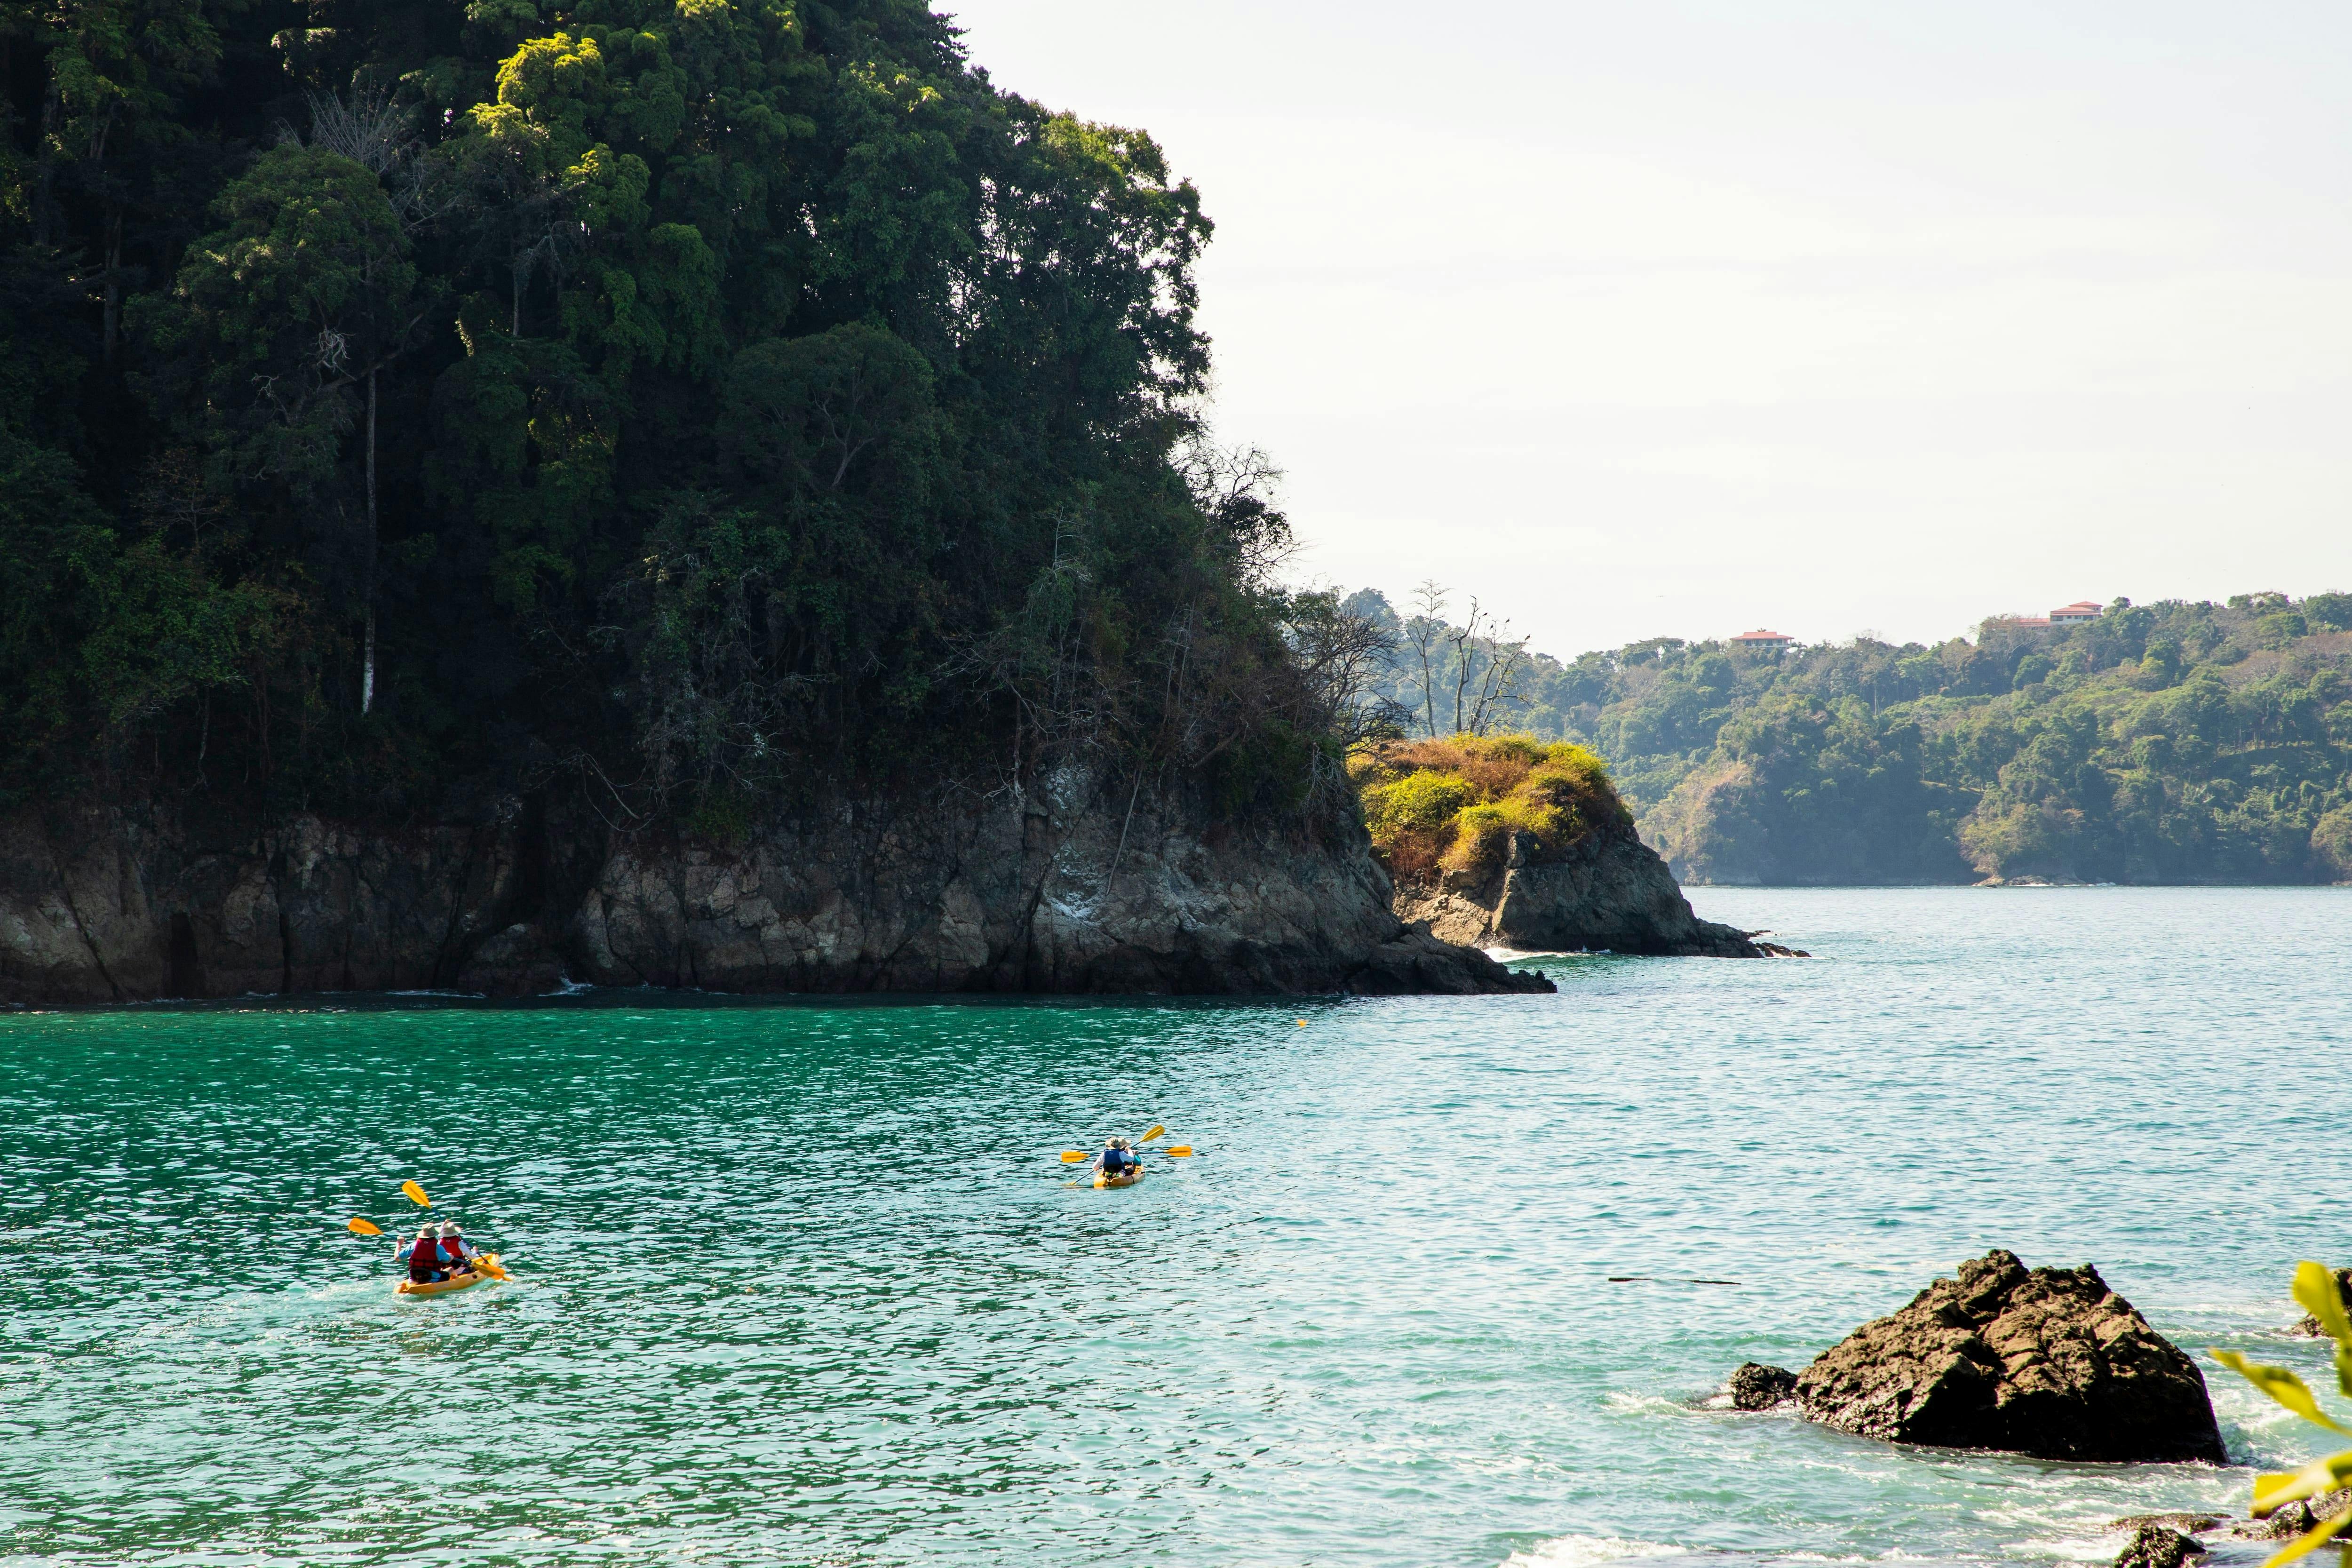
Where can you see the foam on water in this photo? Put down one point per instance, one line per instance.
(1583, 1550)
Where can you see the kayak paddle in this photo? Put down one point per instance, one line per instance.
(1157, 1129)
(417, 1194)
(1072, 1156)
(362, 1228)
(1182, 1151)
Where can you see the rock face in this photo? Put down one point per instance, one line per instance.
(2154, 1546)
(2048, 1361)
(1051, 890)
(1756, 1386)
(1607, 892)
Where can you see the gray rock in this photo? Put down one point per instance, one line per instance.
(2297, 1518)
(1058, 888)
(1606, 892)
(2048, 1361)
(1756, 1386)
(2154, 1546)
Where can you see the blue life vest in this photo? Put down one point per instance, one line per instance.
(1115, 1162)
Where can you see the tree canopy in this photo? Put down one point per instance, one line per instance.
(705, 398)
(2170, 742)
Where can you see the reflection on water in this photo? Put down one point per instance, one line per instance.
(807, 1283)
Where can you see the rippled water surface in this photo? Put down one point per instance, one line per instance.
(806, 1284)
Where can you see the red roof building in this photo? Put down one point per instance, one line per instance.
(1762, 639)
(2080, 610)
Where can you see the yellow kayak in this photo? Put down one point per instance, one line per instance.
(471, 1277)
(1126, 1181)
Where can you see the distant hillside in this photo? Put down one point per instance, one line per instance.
(2166, 742)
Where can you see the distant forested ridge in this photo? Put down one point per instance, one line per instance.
(2166, 742)
(692, 400)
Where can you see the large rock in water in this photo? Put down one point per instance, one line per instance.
(2047, 1361)
(1068, 886)
(1608, 891)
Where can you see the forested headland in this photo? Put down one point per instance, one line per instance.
(689, 404)
(2167, 742)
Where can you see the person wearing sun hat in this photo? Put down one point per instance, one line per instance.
(424, 1256)
(454, 1255)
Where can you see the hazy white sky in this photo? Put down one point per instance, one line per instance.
(1666, 318)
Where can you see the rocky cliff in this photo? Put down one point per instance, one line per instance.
(1053, 888)
(1607, 890)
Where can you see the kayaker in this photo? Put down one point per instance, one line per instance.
(455, 1256)
(424, 1258)
(1116, 1159)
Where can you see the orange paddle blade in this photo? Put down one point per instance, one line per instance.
(1072, 1156)
(362, 1227)
(1182, 1151)
(417, 1194)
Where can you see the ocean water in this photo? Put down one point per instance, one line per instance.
(806, 1283)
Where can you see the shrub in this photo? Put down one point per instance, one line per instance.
(1481, 837)
(1456, 801)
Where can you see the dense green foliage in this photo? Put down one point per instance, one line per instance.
(695, 398)
(2169, 742)
(1456, 801)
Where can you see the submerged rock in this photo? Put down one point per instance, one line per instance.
(2154, 1546)
(2047, 1361)
(1608, 891)
(1756, 1386)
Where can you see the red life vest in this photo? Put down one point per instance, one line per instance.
(453, 1248)
(424, 1258)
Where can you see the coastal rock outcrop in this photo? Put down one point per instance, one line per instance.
(1052, 889)
(1607, 892)
(2047, 1361)
(1756, 1386)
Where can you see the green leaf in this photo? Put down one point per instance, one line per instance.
(2281, 1386)
(2315, 1288)
(2273, 1489)
(2309, 1541)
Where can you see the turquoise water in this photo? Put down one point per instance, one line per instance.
(806, 1284)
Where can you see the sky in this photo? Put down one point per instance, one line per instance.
(1675, 319)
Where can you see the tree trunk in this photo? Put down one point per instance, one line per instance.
(367, 570)
(111, 334)
(43, 202)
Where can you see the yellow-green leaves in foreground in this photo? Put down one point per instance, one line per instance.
(2316, 1289)
(2284, 1386)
